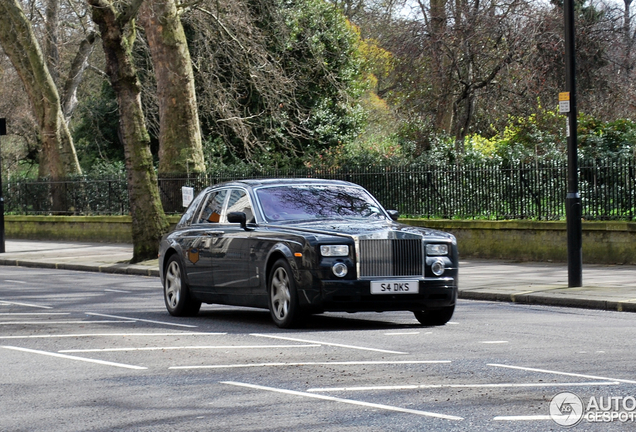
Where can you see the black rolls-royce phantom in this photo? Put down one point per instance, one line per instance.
(303, 246)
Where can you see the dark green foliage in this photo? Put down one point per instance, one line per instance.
(96, 133)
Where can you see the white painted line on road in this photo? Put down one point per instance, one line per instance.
(188, 348)
(327, 343)
(117, 291)
(346, 401)
(63, 322)
(25, 304)
(14, 281)
(562, 373)
(141, 320)
(54, 336)
(439, 386)
(102, 362)
(452, 323)
(33, 313)
(523, 418)
(494, 342)
(334, 363)
(403, 333)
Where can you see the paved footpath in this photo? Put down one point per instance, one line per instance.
(605, 287)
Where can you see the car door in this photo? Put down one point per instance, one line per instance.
(205, 227)
(230, 249)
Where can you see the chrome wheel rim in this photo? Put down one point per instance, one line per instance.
(281, 297)
(173, 285)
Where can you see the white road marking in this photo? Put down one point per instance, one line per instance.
(188, 348)
(63, 322)
(25, 304)
(402, 333)
(141, 320)
(102, 362)
(494, 342)
(54, 336)
(343, 363)
(562, 373)
(117, 291)
(347, 401)
(439, 386)
(523, 418)
(33, 313)
(14, 281)
(327, 343)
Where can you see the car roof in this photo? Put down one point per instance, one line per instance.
(253, 183)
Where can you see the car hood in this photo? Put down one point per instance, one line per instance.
(365, 229)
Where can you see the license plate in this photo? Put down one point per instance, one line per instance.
(395, 287)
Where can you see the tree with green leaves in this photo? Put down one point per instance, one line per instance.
(117, 30)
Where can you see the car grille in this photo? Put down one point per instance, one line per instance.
(394, 257)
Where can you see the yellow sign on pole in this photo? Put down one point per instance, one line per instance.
(564, 96)
(564, 102)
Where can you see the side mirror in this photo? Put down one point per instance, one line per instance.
(394, 214)
(238, 217)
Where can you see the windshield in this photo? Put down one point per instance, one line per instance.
(299, 202)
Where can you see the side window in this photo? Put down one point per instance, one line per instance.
(240, 202)
(193, 209)
(211, 211)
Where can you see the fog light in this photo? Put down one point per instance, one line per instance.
(340, 269)
(438, 268)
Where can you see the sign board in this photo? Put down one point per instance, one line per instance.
(3, 126)
(564, 102)
(187, 194)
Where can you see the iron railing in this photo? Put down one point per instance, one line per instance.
(494, 190)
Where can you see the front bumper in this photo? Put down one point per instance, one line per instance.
(355, 296)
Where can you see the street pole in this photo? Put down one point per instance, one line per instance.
(3, 131)
(573, 199)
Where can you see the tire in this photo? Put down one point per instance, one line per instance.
(283, 299)
(176, 293)
(437, 317)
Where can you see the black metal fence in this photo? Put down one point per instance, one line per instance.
(476, 191)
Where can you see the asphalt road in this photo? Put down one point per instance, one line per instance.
(88, 351)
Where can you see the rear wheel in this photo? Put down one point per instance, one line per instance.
(435, 317)
(176, 294)
(283, 299)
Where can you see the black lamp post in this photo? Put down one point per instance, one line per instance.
(573, 199)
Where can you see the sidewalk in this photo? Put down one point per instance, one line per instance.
(605, 287)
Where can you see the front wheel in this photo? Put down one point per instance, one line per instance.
(283, 300)
(435, 317)
(176, 294)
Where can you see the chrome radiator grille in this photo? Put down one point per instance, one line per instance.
(391, 257)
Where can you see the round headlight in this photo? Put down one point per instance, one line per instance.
(340, 269)
(438, 268)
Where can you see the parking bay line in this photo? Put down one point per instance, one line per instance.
(334, 363)
(441, 386)
(346, 401)
(52, 354)
(523, 418)
(327, 343)
(140, 320)
(187, 348)
(82, 335)
(64, 322)
(24, 304)
(562, 373)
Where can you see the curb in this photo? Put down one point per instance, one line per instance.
(541, 300)
(112, 268)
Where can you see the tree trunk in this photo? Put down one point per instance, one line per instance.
(58, 158)
(180, 149)
(117, 29)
